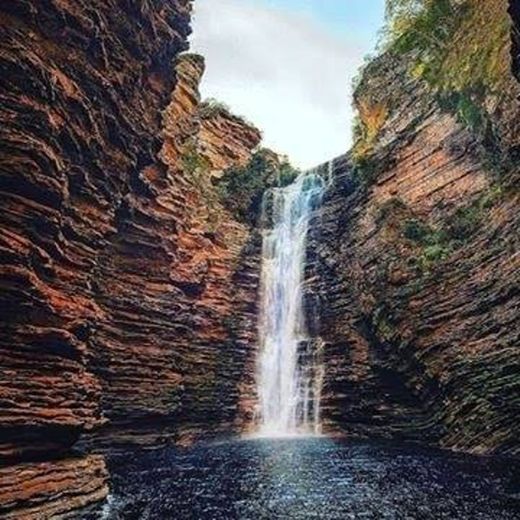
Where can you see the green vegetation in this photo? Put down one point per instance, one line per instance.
(416, 230)
(421, 29)
(382, 323)
(490, 198)
(211, 107)
(390, 207)
(241, 189)
(197, 168)
(466, 108)
(434, 253)
(465, 222)
(424, 27)
(436, 243)
(458, 45)
(365, 168)
(459, 48)
(194, 164)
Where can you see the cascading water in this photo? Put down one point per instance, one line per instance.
(288, 385)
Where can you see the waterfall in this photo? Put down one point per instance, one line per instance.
(288, 382)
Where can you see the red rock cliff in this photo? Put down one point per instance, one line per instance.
(225, 140)
(417, 260)
(127, 291)
(168, 354)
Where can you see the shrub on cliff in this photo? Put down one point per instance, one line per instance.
(422, 26)
(436, 243)
(457, 48)
(415, 230)
(458, 44)
(212, 107)
(460, 47)
(241, 189)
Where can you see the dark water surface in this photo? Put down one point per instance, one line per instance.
(310, 478)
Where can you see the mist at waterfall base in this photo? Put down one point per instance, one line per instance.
(289, 373)
(310, 478)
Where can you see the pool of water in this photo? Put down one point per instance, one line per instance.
(314, 478)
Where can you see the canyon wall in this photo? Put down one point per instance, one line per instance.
(128, 292)
(128, 289)
(414, 261)
(179, 289)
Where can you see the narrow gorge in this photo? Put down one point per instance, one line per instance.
(174, 294)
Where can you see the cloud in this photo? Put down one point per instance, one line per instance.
(283, 71)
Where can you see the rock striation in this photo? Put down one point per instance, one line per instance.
(225, 140)
(127, 291)
(81, 90)
(415, 270)
(176, 280)
(52, 489)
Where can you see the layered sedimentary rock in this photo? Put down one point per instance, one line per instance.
(175, 283)
(226, 140)
(127, 290)
(51, 489)
(416, 268)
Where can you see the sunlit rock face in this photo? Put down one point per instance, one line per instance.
(421, 330)
(126, 310)
(225, 139)
(179, 295)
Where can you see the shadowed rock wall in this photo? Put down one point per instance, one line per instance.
(415, 270)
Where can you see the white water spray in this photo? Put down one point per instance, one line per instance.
(288, 383)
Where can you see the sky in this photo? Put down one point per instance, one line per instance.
(287, 66)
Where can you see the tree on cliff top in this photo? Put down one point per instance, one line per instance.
(423, 26)
(242, 188)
